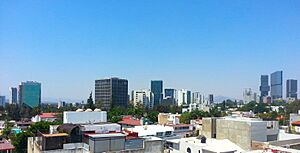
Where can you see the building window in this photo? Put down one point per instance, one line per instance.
(188, 150)
(168, 132)
(159, 134)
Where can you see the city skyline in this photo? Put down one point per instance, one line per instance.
(210, 47)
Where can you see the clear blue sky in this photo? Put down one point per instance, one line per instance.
(218, 47)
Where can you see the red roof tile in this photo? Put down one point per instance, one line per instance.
(130, 121)
(296, 123)
(5, 145)
(48, 115)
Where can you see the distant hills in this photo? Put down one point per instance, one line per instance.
(55, 100)
(220, 99)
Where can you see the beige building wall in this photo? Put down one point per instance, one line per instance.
(235, 131)
(207, 127)
(162, 118)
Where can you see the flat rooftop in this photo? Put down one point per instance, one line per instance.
(287, 136)
(56, 135)
(148, 130)
(213, 145)
(243, 119)
(106, 135)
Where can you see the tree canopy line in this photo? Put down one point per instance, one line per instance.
(19, 140)
(14, 112)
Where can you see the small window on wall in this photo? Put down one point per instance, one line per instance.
(188, 150)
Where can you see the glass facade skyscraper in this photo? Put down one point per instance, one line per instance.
(170, 93)
(264, 85)
(111, 92)
(291, 88)
(2, 100)
(157, 90)
(211, 98)
(276, 84)
(14, 95)
(30, 94)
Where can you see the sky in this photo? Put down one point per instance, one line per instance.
(215, 46)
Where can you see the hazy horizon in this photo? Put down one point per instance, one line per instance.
(218, 47)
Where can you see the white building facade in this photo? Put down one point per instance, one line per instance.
(144, 97)
(250, 96)
(183, 97)
(85, 117)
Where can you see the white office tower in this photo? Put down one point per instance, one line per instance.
(144, 97)
(13, 95)
(249, 96)
(183, 97)
(197, 98)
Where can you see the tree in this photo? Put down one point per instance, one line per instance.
(152, 116)
(115, 119)
(13, 112)
(255, 107)
(175, 109)
(36, 111)
(25, 111)
(99, 104)
(185, 118)
(90, 102)
(7, 129)
(293, 107)
(20, 141)
(214, 112)
(42, 127)
(268, 116)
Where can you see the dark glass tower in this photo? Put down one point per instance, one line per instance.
(157, 90)
(170, 93)
(111, 92)
(291, 88)
(276, 84)
(211, 98)
(264, 86)
(14, 95)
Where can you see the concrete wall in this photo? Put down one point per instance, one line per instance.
(149, 147)
(240, 132)
(235, 131)
(33, 147)
(85, 117)
(206, 127)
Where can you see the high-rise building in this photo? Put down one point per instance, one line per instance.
(170, 96)
(197, 98)
(111, 92)
(211, 98)
(170, 93)
(61, 104)
(249, 96)
(291, 88)
(264, 86)
(157, 90)
(2, 100)
(276, 85)
(13, 95)
(30, 94)
(144, 97)
(184, 97)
